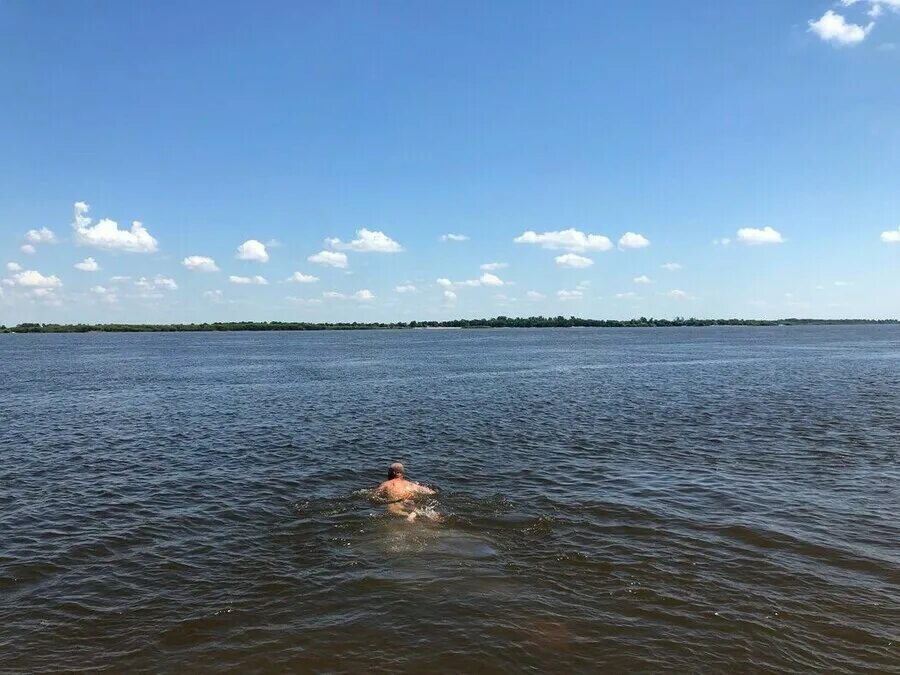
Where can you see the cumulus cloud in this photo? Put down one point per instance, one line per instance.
(567, 240)
(671, 266)
(41, 236)
(891, 236)
(33, 279)
(27, 249)
(367, 241)
(643, 279)
(364, 295)
(449, 296)
(632, 240)
(494, 266)
(300, 278)
(255, 280)
(454, 237)
(252, 250)
(200, 263)
(329, 258)
(13, 267)
(534, 295)
(834, 28)
(405, 288)
(678, 294)
(486, 279)
(216, 296)
(88, 265)
(157, 283)
(755, 236)
(107, 235)
(570, 295)
(573, 260)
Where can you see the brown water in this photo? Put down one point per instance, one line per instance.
(718, 499)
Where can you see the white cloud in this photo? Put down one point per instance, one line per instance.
(677, 294)
(724, 241)
(755, 236)
(570, 295)
(252, 250)
(13, 267)
(158, 282)
(329, 258)
(118, 279)
(891, 236)
(200, 263)
(488, 279)
(573, 260)
(28, 249)
(364, 295)
(47, 296)
(41, 236)
(88, 265)
(106, 233)
(534, 295)
(216, 297)
(34, 279)
(367, 241)
(832, 27)
(454, 237)
(629, 295)
(567, 240)
(255, 280)
(671, 266)
(300, 278)
(643, 279)
(405, 288)
(632, 240)
(494, 266)
(303, 301)
(106, 294)
(449, 296)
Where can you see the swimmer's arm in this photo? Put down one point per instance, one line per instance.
(423, 490)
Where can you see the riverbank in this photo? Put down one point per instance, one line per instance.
(496, 322)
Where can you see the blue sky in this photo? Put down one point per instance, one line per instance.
(749, 148)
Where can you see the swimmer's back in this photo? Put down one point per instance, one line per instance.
(400, 489)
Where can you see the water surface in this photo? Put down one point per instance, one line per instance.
(627, 500)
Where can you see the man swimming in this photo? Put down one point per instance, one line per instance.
(398, 492)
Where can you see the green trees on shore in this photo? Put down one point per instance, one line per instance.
(496, 322)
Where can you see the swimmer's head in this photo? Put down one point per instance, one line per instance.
(395, 470)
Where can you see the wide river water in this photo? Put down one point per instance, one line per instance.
(618, 500)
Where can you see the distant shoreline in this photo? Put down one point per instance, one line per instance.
(496, 322)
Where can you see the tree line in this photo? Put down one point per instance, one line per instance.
(495, 322)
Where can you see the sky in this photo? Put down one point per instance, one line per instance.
(391, 161)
